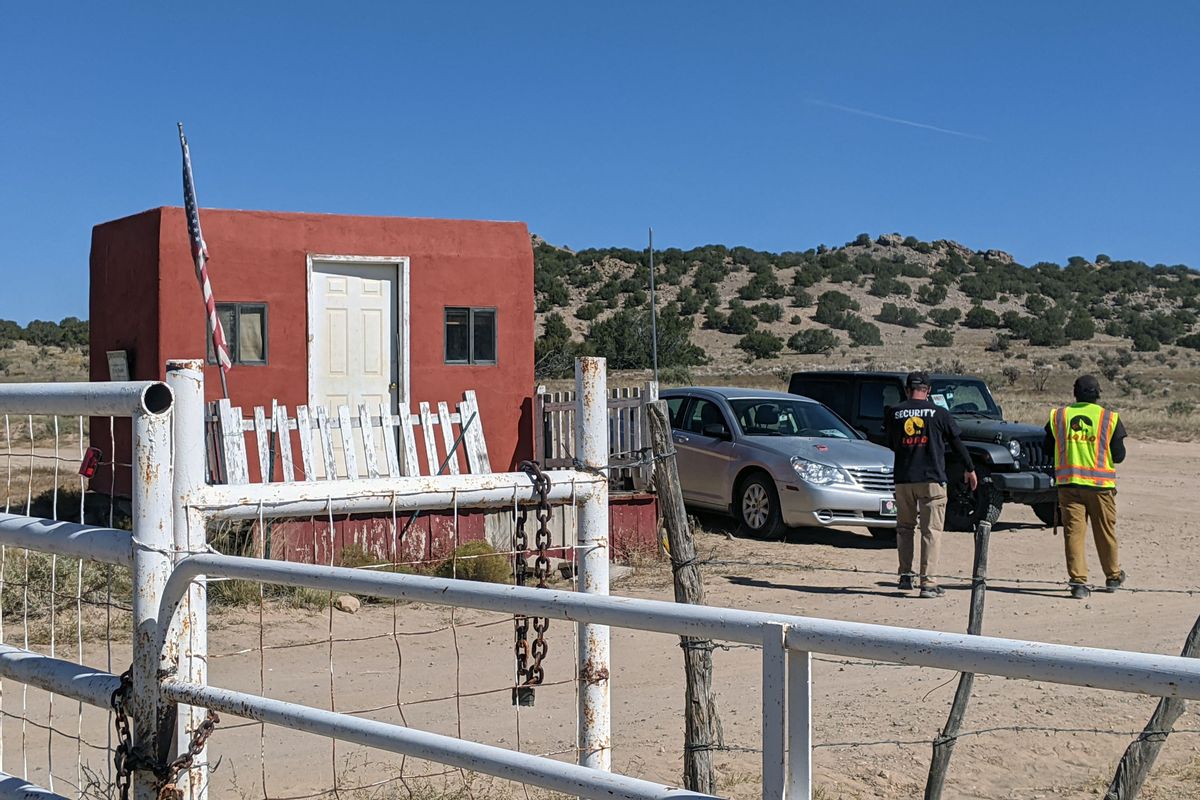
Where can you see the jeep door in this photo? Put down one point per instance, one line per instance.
(875, 395)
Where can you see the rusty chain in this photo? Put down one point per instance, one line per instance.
(129, 758)
(530, 657)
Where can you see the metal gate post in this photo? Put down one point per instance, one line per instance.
(591, 445)
(187, 641)
(774, 711)
(152, 545)
(799, 725)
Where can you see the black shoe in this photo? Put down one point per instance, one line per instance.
(906, 582)
(1112, 584)
(929, 592)
(1080, 591)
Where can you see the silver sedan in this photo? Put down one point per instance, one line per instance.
(778, 460)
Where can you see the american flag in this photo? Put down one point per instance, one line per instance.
(200, 257)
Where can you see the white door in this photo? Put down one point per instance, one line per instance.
(356, 336)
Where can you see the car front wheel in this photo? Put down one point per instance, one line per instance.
(757, 507)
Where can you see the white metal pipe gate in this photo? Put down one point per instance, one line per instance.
(166, 551)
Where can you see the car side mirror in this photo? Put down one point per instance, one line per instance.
(717, 430)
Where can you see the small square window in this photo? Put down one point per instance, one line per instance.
(245, 326)
(470, 335)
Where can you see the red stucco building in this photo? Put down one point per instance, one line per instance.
(329, 309)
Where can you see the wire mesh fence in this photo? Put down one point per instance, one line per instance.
(64, 607)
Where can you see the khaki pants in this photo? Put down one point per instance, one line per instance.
(1077, 506)
(926, 503)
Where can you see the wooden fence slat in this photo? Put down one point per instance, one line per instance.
(348, 442)
(427, 435)
(262, 435)
(368, 440)
(388, 425)
(304, 432)
(411, 467)
(233, 442)
(448, 438)
(326, 432)
(474, 434)
(283, 432)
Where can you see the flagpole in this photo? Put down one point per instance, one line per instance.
(216, 333)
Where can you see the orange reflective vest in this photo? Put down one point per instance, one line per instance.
(1082, 433)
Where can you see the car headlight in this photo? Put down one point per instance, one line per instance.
(816, 473)
(1014, 447)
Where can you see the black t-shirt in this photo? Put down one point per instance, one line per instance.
(918, 431)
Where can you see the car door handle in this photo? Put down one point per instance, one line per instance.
(679, 437)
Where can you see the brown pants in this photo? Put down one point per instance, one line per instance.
(1077, 506)
(926, 503)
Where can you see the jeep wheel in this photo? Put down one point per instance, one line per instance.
(966, 509)
(1046, 512)
(757, 507)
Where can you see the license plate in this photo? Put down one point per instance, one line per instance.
(887, 508)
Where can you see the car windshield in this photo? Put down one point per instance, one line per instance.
(780, 417)
(964, 396)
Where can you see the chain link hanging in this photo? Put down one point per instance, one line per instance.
(129, 758)
(530, 672)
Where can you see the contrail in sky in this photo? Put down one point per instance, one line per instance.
(864, 113)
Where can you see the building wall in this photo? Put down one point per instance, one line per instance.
(262, 257)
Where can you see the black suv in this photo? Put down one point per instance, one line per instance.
(1009, 457)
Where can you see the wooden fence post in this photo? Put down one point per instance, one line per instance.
(943, 746)
(702, 731)
(1139, 756)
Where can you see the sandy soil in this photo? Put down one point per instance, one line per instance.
(892, 712)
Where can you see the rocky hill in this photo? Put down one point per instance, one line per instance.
(881, 299)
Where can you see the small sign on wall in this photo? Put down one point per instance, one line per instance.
(118, 365)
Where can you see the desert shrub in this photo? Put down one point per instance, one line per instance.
(624, 339)
(714, 319)
(931, 294)
(889, 287)
(1000, 343)
(862, 240)
(894, 315)
(937, 337)
(1080, 327)
(1072, 360)
(813, 341)
(588, 311)
(801, 298)
(1181, 408)
(1191, 341)
(980, 317)
(862, 333)
(1012, 375)
(944, 317)
(833, 307)
(767, 312)
(740, 320)
(689, 301)
(475, 561)
(760, 344)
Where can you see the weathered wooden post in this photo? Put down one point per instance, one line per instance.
(943, 746)
(1139, 756)
(702, 729)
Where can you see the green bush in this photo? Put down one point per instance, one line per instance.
(801, 298)
(937, 337)
(931, 294)
(588, 311)
(714, 319)
(862, 333)
(894, 315)
(833, 307)
(980, 317)
(740, 320)
(767, 312)
(813, 341)
(1080, 327)
(475, 561)
(624, 339)
(760, 344)
(944, 317)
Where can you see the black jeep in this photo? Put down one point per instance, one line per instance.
(1010, 460)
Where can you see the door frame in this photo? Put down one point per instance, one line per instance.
(402, 337)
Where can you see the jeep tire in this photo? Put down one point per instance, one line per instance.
(966, 509)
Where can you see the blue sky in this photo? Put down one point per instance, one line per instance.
(1045, 129)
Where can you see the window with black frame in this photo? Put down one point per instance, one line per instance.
(245, 326)
(470, 335)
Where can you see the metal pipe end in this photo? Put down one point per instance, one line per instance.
(157, 398)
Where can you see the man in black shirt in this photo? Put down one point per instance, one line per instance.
(917, 432)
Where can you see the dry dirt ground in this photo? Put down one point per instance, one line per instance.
(873, 723)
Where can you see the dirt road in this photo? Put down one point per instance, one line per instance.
(873, 723)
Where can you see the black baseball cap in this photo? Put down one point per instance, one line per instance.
(1087, 387)
(917, 380)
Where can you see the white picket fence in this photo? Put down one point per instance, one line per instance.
(371, 443)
